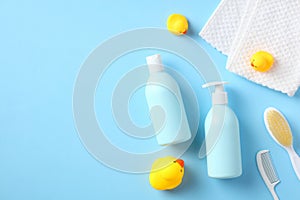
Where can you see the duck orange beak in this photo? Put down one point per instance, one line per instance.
(180, 162)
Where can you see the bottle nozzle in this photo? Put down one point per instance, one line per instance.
(219, 96)
(216, 83)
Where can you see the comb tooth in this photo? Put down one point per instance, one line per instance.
(269, 170)
(268, 167)
(271, 174)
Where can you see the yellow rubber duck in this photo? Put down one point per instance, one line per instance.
(177, 24)
(166, 173)
(262, 61)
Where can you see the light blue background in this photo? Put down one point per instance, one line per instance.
(43, 44)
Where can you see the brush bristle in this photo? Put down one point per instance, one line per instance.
(279, 127)
(268, 167)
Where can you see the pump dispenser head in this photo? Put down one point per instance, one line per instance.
(154, 63)
(219, 96)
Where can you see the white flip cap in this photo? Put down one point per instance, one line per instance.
(154, 63)
(219, 96)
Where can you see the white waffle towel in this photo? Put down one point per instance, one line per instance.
(220, 30)
(268, 25)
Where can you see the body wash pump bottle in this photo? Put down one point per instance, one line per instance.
(224, 157)
(165, 104)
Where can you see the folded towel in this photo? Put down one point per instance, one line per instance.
(221, 28)
(268, 25)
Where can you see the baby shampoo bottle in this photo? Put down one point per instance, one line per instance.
(224, 150)
(165, 103)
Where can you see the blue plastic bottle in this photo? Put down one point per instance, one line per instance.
(224, 151)
(165, 104)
